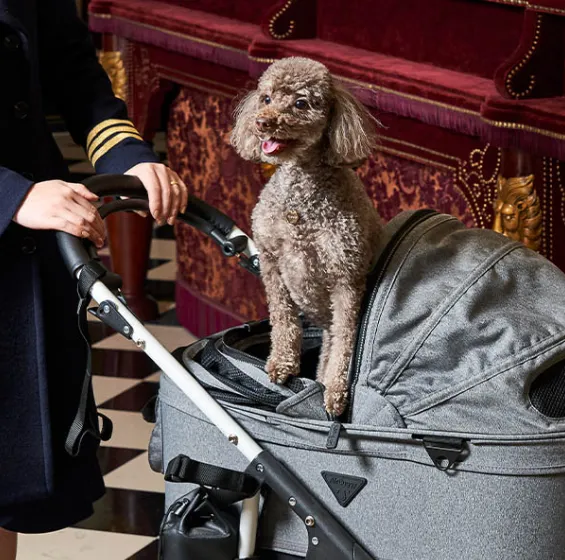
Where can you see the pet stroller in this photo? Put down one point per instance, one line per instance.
(454, 442)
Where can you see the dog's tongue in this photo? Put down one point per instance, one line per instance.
(272, 146)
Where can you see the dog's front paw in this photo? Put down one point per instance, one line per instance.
(280, 370)
(336, 398)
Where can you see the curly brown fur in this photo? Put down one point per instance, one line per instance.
(315, 260)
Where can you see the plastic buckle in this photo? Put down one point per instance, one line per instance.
(177, 468)
(445, 452)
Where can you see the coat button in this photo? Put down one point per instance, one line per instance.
(28, 245)
(12, 43)
(21, 109)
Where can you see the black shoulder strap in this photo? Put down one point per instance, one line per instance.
(86, 420)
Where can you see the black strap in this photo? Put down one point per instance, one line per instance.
(184, 469)
(87, 418)
(89, 274)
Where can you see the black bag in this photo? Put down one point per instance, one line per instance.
(204, 524)
(196, 527)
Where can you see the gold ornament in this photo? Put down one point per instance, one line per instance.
(517, 211)
(113, 64)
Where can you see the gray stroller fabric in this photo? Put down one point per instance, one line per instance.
(454, 445)
(463, 322)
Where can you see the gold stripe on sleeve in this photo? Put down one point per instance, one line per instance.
(114, 141)
(106, 134)
(105, 124)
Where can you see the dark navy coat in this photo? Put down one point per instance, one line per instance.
(46, 54)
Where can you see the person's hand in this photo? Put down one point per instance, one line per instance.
(167, 193)
(62, 206)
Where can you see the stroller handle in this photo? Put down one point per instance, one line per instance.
(205, 218)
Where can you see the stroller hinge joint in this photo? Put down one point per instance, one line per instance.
(108, 313)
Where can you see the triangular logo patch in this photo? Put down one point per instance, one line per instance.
(344, 487)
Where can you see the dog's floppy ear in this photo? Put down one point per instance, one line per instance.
(242, 137)
(351, 131)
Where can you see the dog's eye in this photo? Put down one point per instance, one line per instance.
(301, 104)
(266, 100)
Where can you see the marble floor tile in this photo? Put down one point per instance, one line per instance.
(131, 431)
(81, 544)
(136, 475)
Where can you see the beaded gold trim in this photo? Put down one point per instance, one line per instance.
(526, 128)
(551, 173)
(526, 4)
(522, 63)
(291, 25)
(480, 188)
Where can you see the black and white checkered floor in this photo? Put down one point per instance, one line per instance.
(126, 520)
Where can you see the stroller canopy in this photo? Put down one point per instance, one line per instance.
(464, 330)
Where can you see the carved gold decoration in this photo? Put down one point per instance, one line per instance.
(517, 211)
(522, 63)
(529, 5)
(290, 29)
(113, 64)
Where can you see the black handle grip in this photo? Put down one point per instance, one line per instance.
(198, 214)
(218, 220)
(115, 185)
(74, 251)
(127, 185)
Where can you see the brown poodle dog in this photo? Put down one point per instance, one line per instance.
(315, 227)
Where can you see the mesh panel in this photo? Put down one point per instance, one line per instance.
(547, 393)
(223, 369)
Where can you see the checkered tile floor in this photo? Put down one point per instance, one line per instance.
(126, 520)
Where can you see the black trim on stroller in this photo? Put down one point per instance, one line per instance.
(327, 537)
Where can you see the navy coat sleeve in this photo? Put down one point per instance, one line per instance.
(77, 84)
(13, 189)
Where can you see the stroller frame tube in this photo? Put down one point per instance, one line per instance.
(179, 376)
(197, 394)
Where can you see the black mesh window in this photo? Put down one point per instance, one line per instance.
(547, 393)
